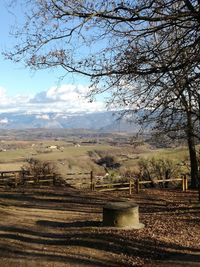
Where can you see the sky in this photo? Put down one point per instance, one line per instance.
(22, 90)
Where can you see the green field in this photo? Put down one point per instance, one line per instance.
(69, 158)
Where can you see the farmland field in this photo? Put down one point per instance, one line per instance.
(69, 157)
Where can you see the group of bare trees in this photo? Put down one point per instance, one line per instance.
(146, 54)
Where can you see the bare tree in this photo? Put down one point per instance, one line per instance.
(146, 53)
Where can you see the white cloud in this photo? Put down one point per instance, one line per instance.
(67, 92)
(66, 98)
(64, 93)
(4, 121)
(43, 117)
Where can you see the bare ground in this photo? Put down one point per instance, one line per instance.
(62, 227)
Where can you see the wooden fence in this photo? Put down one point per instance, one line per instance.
(183, 180)
(90, 181)
(21, 178)
(80, 180)
(85, 180)
(136, 185)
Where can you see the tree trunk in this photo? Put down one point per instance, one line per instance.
(192, 153)
(193, 162)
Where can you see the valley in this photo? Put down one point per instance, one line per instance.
(79, 150)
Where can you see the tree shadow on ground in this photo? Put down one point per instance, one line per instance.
(75, 224)
(101, 239)
(78, 260)
(26, 241)
(72, 202)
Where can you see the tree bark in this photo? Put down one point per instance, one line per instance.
(193, 162)
(192, 153)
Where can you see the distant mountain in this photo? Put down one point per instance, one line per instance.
(100, 121)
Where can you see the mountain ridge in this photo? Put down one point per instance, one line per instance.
(101, 121)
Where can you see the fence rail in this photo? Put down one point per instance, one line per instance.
(21, 178)
(184, 180)
(97, 183)
(81, 180)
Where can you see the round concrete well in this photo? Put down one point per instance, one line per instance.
(121, 214)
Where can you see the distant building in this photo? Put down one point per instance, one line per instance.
(53, 147)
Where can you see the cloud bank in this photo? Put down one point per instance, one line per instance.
(67, 98)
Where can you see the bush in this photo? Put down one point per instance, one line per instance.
(38, 167)
(157, 169)
(108, 162)
(127, 173)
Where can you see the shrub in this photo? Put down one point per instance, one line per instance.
(158, 169)
(108, 162)
(38, 167)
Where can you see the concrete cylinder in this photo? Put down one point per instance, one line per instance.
(122, 215)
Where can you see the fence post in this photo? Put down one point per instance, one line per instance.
(92, 185)
(183, 183)
(186, 182)
(130, 187)
(137, 184)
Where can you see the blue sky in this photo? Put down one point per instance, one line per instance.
(15, 77)
(24, 90)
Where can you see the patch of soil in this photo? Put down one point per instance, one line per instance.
(61, 227)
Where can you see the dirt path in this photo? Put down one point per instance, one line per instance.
(61, 227)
